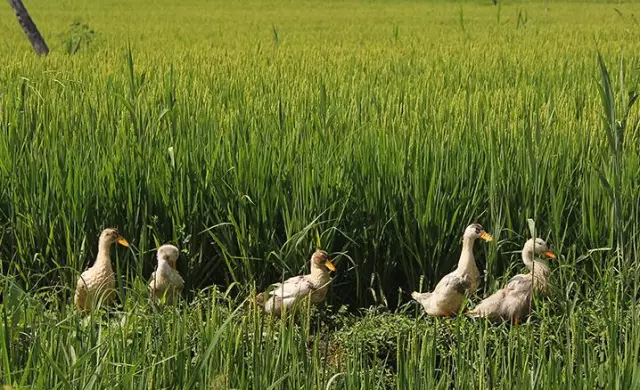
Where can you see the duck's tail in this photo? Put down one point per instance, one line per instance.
(420, 297)
(258, 300)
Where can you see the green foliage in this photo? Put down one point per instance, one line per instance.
(78, 35)
(247, 134)
(240, 155)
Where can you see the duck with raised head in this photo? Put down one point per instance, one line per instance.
(314, 285)
(98, 282)
(513, 302)
(449, 294)
(166, 283)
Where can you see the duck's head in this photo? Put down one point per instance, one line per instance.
(168, 253)
(110, 236)
(320, 259)
(475, 230)
(538, 247)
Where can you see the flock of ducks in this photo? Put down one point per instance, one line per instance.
(97, 284)
(512, 303)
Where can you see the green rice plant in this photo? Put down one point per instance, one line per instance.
(178, 124)
(615, 130)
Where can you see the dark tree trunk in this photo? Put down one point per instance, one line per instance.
(29, 27)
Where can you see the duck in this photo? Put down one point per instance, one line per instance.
(315, 286)
(166, 284)
(97, 283)
(513, 302)
(449, 294)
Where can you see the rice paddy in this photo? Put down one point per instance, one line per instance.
(248, 133)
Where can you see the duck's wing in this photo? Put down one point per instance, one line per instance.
(297, 286)
(80, 296)
(506, 303)
(152, 281)
(452, 283)
(177, 281)
(519, 283)
(490, 306)
(82, 279)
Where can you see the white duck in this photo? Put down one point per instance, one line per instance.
(166, 283)
(513, 302)
(98, 282)
(315, 285)
(448, 296)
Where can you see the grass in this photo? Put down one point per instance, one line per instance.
(246, 133)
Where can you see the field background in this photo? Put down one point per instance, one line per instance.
(245, 132)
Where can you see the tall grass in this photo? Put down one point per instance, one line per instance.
(246, 134)
(388, 151)
(211, 344)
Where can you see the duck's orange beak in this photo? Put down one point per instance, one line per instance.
(122, 242)
(550, 254)
(330, 265)
(486, 236)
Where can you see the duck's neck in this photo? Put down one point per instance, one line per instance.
(467, 261)
(319, 276)
(104, 255)
(539, 269)
(163, 266)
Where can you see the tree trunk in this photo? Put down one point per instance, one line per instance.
(29, 27)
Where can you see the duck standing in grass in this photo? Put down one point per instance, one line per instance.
(513, 302)
(166, 283)
(315, 285)
(448, 296)
(98, 282)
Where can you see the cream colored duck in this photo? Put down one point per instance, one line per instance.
(448, 296)
(166, 283)
(98, 282)
(513, 302)
(315, 285)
